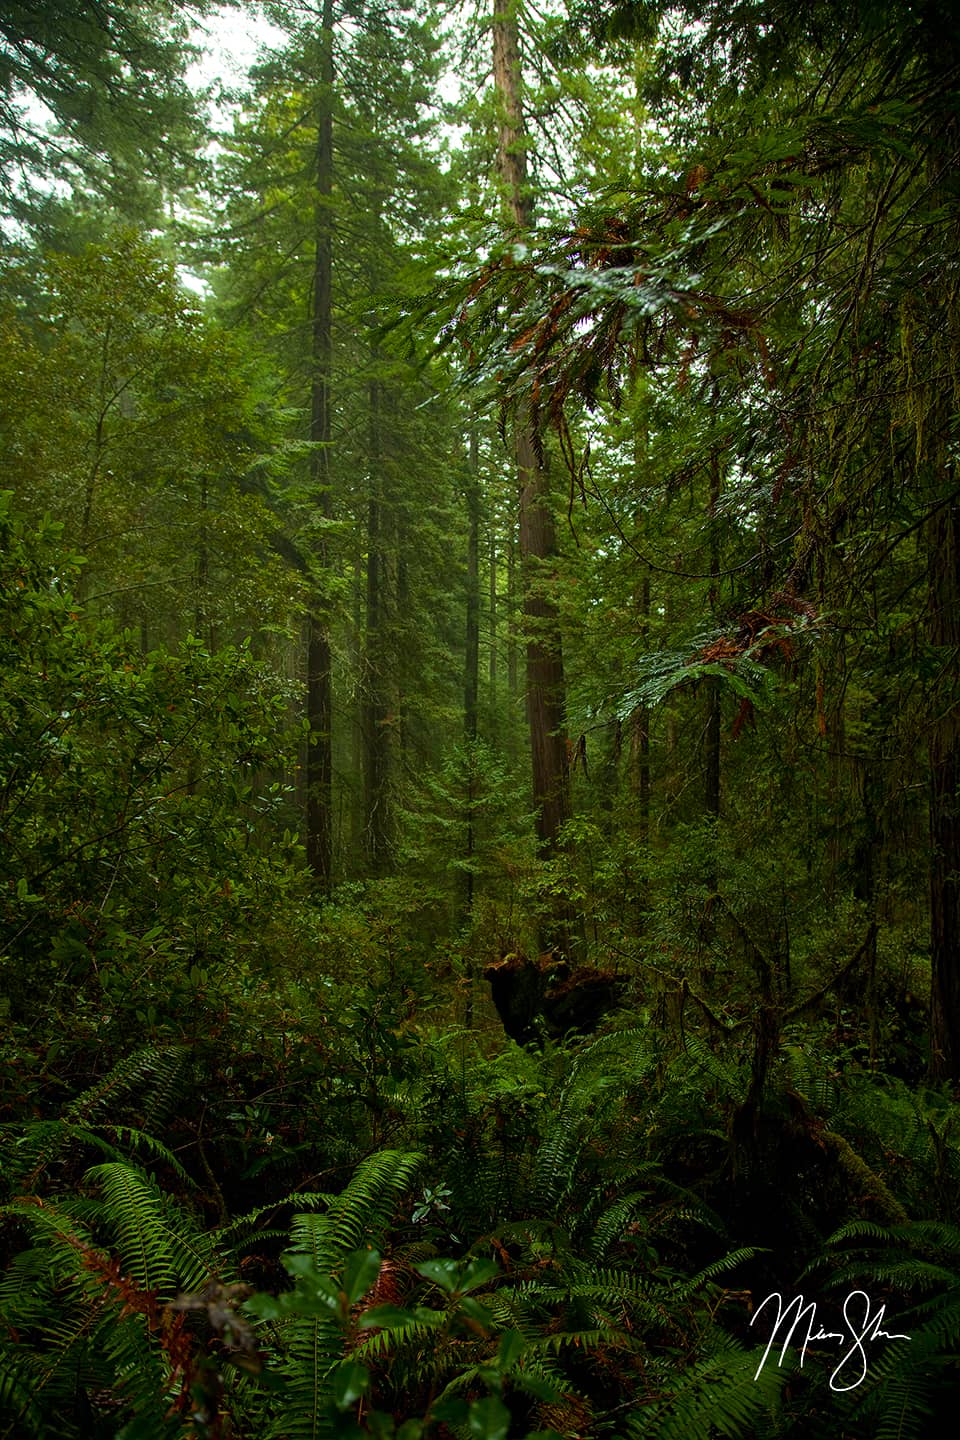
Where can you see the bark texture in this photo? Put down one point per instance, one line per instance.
(943, 541)
(376, 744)
(545, 696)
(319, 689)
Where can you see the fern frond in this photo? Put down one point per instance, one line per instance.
(584, 1341)
(555, 1169)
(718, 1396)
(41, 1142)
(897, 1399)
(810, 1078)
(314, 1343)
(157, 1247)
(614, 1220)
(364, 1209)
(685, 1288)
(239, 1229)
(731, 1081)
(859, 1230)
(378, 1344)
(20, 1380)
(153, 1071)
(904, 1274)
(929, 1234)
(139, 1142)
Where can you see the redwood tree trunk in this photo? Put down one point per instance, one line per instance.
(713, 728)
(640, 723)
(943, 572)
(471, 676)
(943, 541)
(544, 680)
(545, 685)
(375, 737)
(319, 691)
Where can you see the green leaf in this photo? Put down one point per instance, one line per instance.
(512, 1345)
(536, 1386)
(360, 1272)
(477, 1273)
(350, 1382)
(479, 1314)
(452, 1412)
(265, 1307)
(489, 1419)
(394, 1318)
(387, 1317)
(444, 1273)
(457, 1280)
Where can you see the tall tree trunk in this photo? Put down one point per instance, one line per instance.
(202, 625)
(375, 737)
(513, 684)
(492, 609)
(545, 693)
(712, 735)
(471, 696)
(545, 685)
(319, 688)
(471, 677)
(640, 724)
(943, 576)
(943, 551)
(402, 607)
(358, 601)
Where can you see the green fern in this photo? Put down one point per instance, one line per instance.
(912, 1270)
(731, 1081)
(719, 1395)
(21, 1378)
(88, 1291)
(242, 1227)
(152, 1074)
(810, 1077)
(312, 1343)
(157, 1247)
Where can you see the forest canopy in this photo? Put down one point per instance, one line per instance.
(479, 720)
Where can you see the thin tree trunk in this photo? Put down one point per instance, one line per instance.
(471, 691)
(712, 736)
(375, 737)
(319, 688)
(640, 725)
(943, 550)
(544, 681)
(943, 577)
(471, 678)
(359, 581)
(202, 627)
(513, 683)
(492, 610)
(402, 608)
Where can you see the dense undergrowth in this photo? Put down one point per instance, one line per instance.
(479, 905)
(271, 1169)
(339, 1225)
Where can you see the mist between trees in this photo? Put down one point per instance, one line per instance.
(479, 731)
